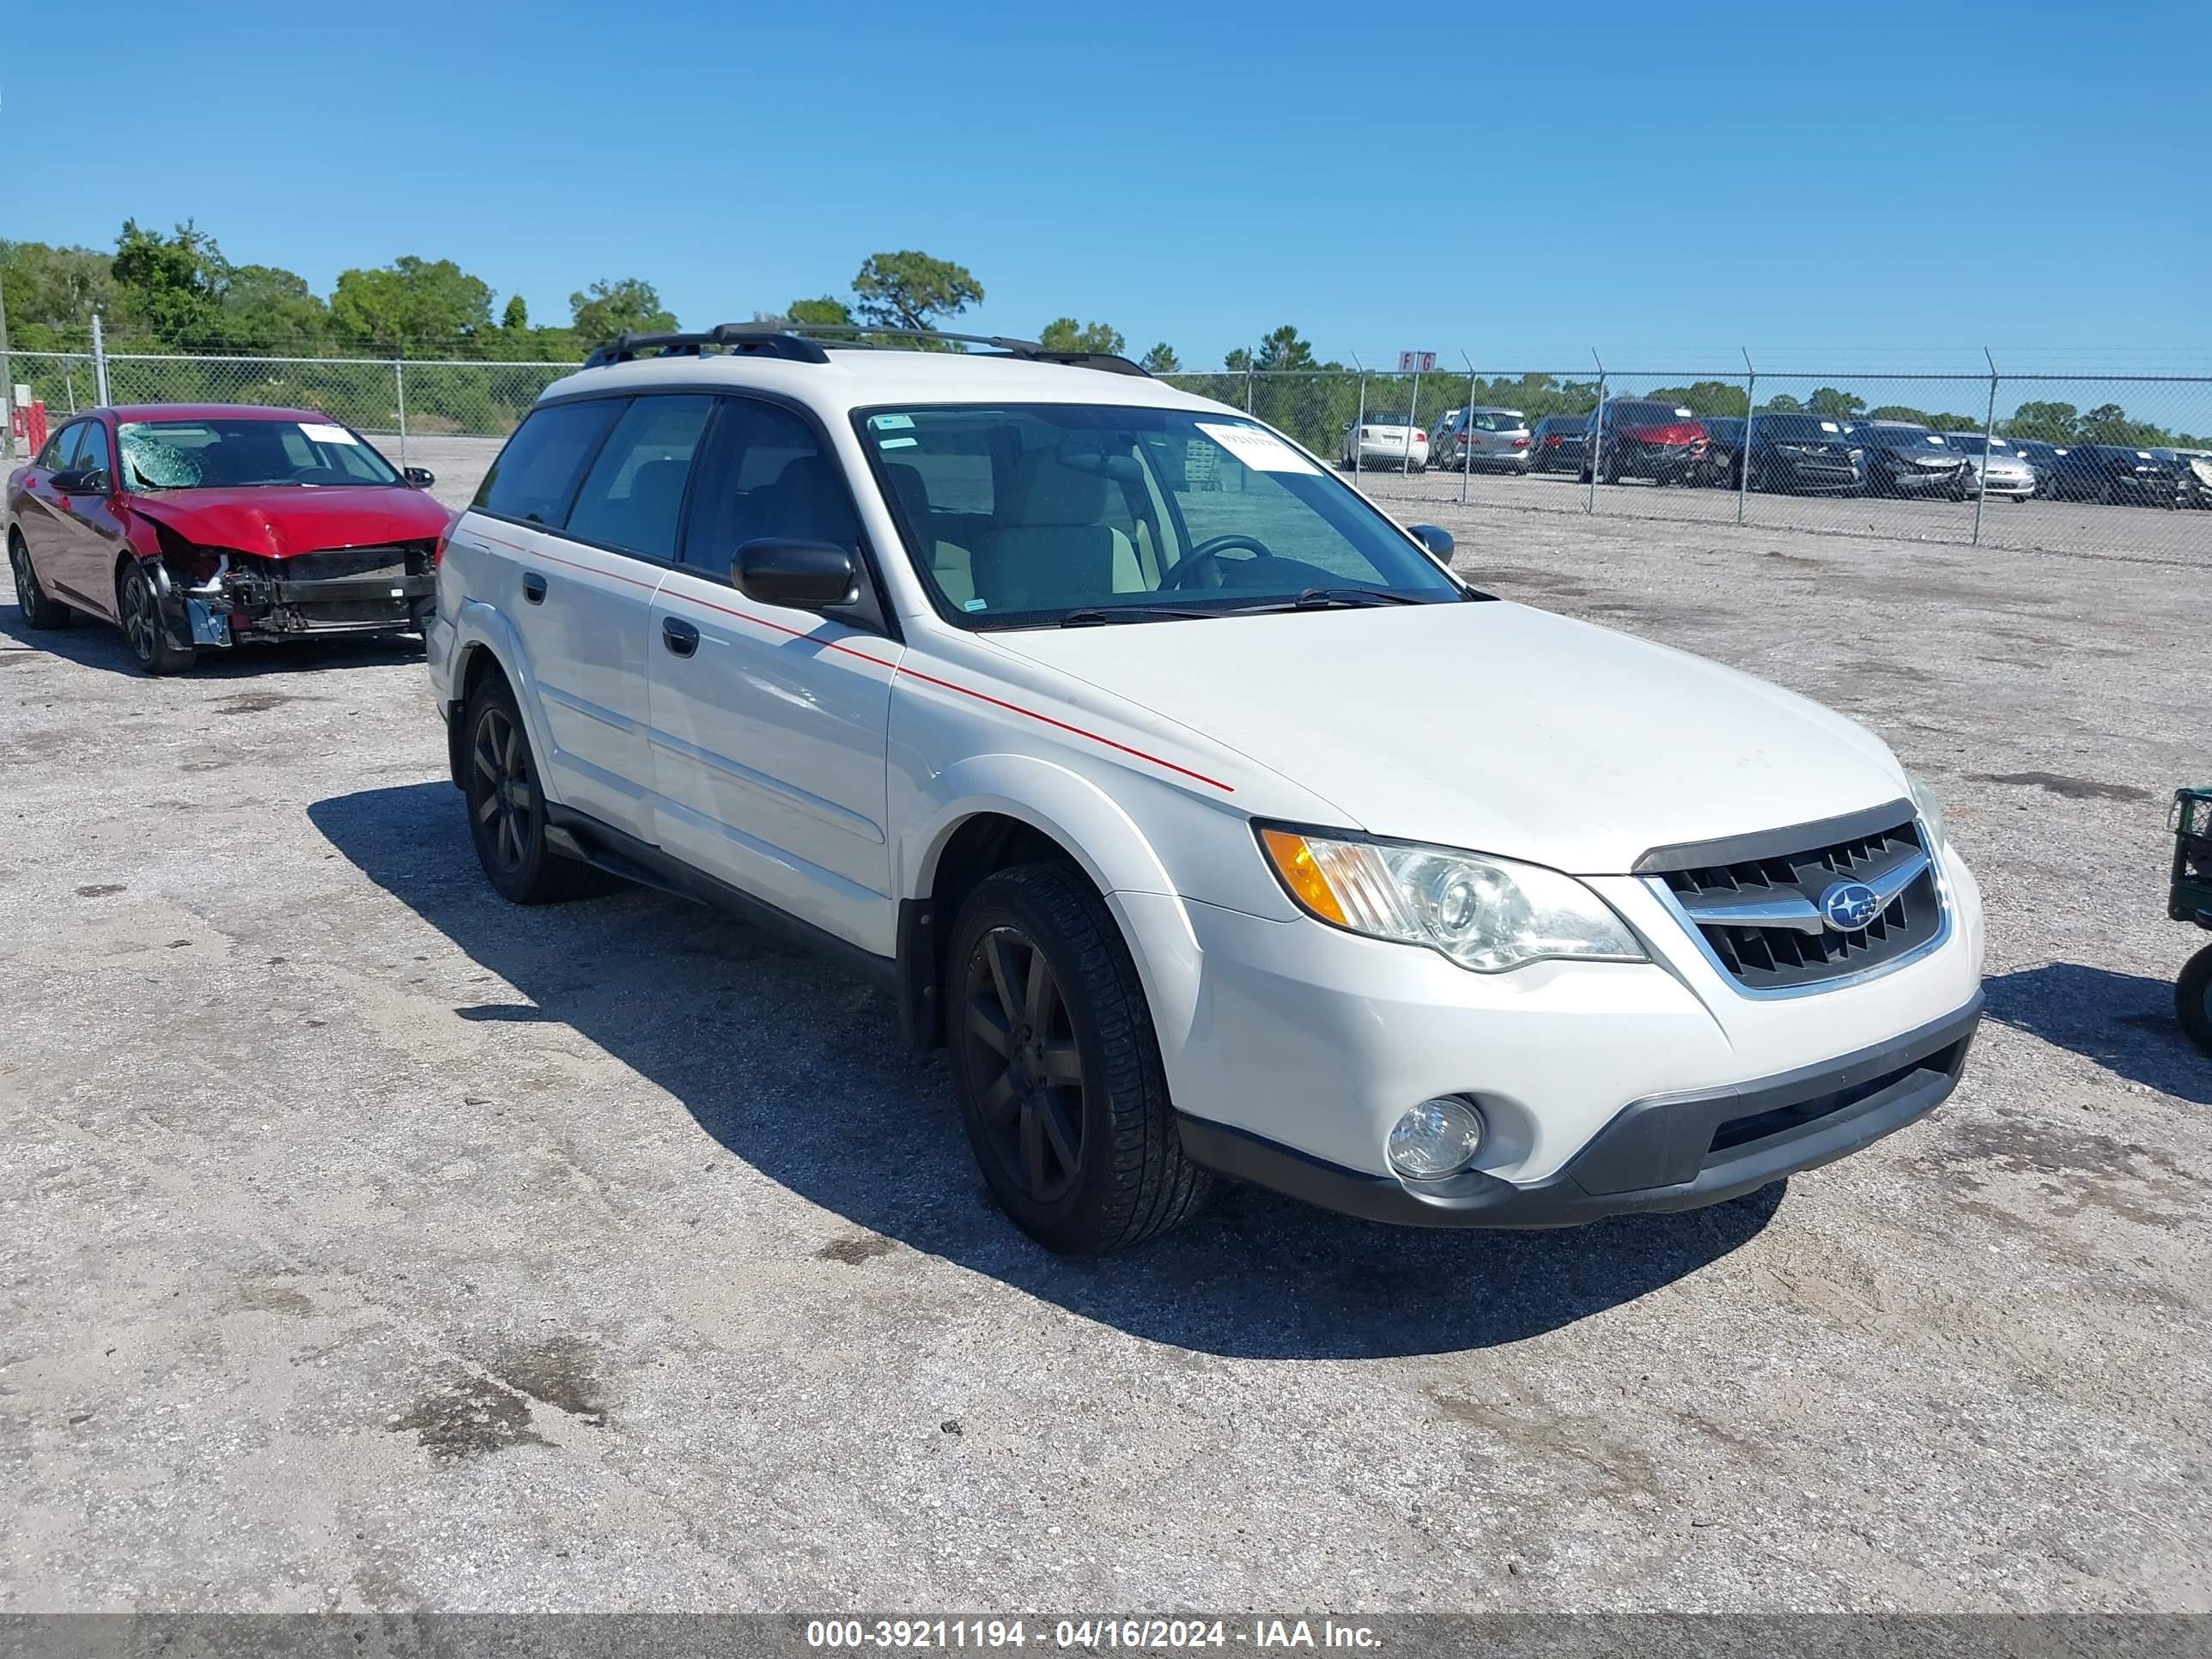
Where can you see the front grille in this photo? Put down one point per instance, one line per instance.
(341, 563)
(1758, 912)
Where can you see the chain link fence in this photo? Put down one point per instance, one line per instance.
(2117, 465)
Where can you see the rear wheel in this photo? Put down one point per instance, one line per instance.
(2192, 999)
(39, 610)
(143, 626)
(1057, 1068)
(506, 809)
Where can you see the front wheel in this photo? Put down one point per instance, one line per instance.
(1057, 1069)
(144, 627)
(2192, 999)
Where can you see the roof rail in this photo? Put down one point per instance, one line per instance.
(761, 339)
(796, 342)
(1028, 351)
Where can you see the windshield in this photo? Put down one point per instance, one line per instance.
(1649, 414)
(1029, 515)
(220, 454)
(1901, 437)
(1800, 429)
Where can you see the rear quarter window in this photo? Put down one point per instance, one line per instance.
(536, 475)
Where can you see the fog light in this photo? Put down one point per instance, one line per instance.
(1436, 1138)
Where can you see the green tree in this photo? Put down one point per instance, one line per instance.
(2052, 423)
(1064, 334)
(51, 293)
(824, 313)
(630, 306)
(170, 286)
(1782, 403)
(268, 307)
(1284, 349)
(515, 319)
(421, 304)
(1237, 361)
(1705, 396)
(911, 290)
(1837, 406)
(1161, 360)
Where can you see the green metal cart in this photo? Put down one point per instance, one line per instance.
(2191, 901)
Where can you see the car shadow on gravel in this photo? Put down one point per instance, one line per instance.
(2123, 1021)
(94, 644)
(800, 1071)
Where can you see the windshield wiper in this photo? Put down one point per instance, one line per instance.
(1101, 616)
(1326, 599)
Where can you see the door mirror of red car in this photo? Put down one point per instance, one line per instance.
(81, 481)
(1437, 539)
(421, 476)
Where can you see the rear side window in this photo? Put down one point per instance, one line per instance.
(536, 475)
(635, 492)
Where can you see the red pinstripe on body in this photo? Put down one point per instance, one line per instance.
(896, 668)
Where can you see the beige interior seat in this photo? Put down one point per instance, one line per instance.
(950, 562)
(1049, 548)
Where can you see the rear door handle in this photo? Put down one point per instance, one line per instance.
(679, 635)
(533, 587)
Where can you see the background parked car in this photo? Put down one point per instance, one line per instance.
(2193, 469)
(1790, 455)
(1481, 440)
(2010, 476)
(1555, 445)
(1637, 438)
(1903, 458)
(2043, 459)
(2118, 474)
(1386, 443)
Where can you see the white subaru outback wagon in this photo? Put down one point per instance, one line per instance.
(1206, 817)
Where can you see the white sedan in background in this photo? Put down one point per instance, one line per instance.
(1386, 443)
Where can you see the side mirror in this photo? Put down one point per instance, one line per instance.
(421, 476)
(804, 575)
(1436, 538)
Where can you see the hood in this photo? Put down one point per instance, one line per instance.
(1491, 726)
(280, 521)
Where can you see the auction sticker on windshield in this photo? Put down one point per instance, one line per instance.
(1263, 452)
(327, 435)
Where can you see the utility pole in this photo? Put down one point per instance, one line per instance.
(7, 383)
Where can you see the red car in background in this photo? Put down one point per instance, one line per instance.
(193, 526)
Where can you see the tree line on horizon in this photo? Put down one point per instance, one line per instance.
(178, 294)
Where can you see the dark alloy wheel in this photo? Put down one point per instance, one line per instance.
(39, 610)
(2192, 999)
(1057, 1068)
(144, 628)
(507, 810)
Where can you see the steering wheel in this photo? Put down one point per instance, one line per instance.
(1208, 553)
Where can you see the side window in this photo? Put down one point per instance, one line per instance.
(59, 442)
(91, 449)
(535, 476)
(635, 492)
(764, 474)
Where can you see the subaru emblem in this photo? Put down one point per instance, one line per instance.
(1849, 906)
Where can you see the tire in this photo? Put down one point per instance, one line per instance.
(507, 805)
(2192, 999)
(40, 608)
(1033, 1064)
(140, 609)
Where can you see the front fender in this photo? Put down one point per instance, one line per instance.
(1071, 809)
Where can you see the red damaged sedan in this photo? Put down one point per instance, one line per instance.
(199, 525)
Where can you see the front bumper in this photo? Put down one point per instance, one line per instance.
(1668, 1152)
(1916, 483)
(1291, 1047)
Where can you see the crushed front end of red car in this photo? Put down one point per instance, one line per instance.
(223, 596)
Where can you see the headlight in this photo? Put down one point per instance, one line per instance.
(1485, 914)
(1931, 809)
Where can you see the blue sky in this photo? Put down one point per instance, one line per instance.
(1892, 185)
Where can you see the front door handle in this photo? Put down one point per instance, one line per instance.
(533, 587)
(679, 635)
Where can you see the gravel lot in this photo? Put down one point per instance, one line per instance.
(370, 1242)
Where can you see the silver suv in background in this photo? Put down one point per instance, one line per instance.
(2008, 473)
(1481, 440)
